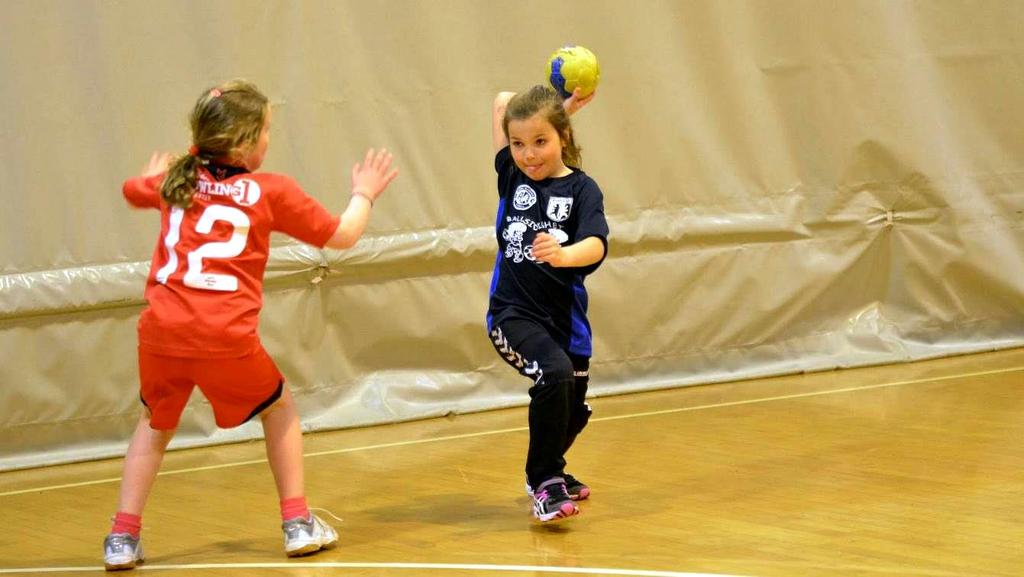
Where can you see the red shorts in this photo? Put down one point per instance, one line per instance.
(238, 389)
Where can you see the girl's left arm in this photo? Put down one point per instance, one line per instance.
(584, 253)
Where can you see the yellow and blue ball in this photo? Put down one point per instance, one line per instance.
(573, 66)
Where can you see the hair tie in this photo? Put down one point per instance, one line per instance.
(214, 93)
(193, 150)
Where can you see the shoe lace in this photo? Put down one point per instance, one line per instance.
(336, 518)
(563, 491)
(553, 494)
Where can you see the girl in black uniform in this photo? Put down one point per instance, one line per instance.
(551, 233)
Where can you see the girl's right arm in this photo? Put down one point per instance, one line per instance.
(369, 180)
(497, 120)
(137, 192)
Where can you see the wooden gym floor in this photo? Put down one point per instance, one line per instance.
(900, 470)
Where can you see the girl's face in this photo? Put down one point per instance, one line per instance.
(254, 158)
(536, 148)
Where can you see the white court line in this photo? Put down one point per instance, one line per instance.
(520, 429)
(811, 394)
(430, 566)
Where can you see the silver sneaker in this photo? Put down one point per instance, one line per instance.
(122, 551)
(305, 536)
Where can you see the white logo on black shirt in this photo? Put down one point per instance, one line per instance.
(516, 249)
(524, 198)
(559, 208)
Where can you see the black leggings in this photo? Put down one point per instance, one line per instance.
(558, 407)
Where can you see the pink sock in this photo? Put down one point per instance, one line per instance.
(294, 507)
(127, 523)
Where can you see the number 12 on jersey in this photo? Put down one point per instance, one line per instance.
(194, 275)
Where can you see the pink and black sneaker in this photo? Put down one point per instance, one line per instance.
(551, 501)
(577, 490)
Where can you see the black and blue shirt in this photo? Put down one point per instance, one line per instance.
(571, 208)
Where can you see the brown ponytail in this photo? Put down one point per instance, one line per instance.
(180, 182)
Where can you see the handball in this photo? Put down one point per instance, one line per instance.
(573, 66)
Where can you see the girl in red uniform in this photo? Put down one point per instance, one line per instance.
(205, 293)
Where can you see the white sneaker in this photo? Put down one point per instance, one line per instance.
(121, 551)
(305, 536)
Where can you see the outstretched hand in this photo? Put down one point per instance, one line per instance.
(158, 163)
(575, 102)
(546, 248)
(372, 177)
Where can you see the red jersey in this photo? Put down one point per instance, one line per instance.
(205, 286)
